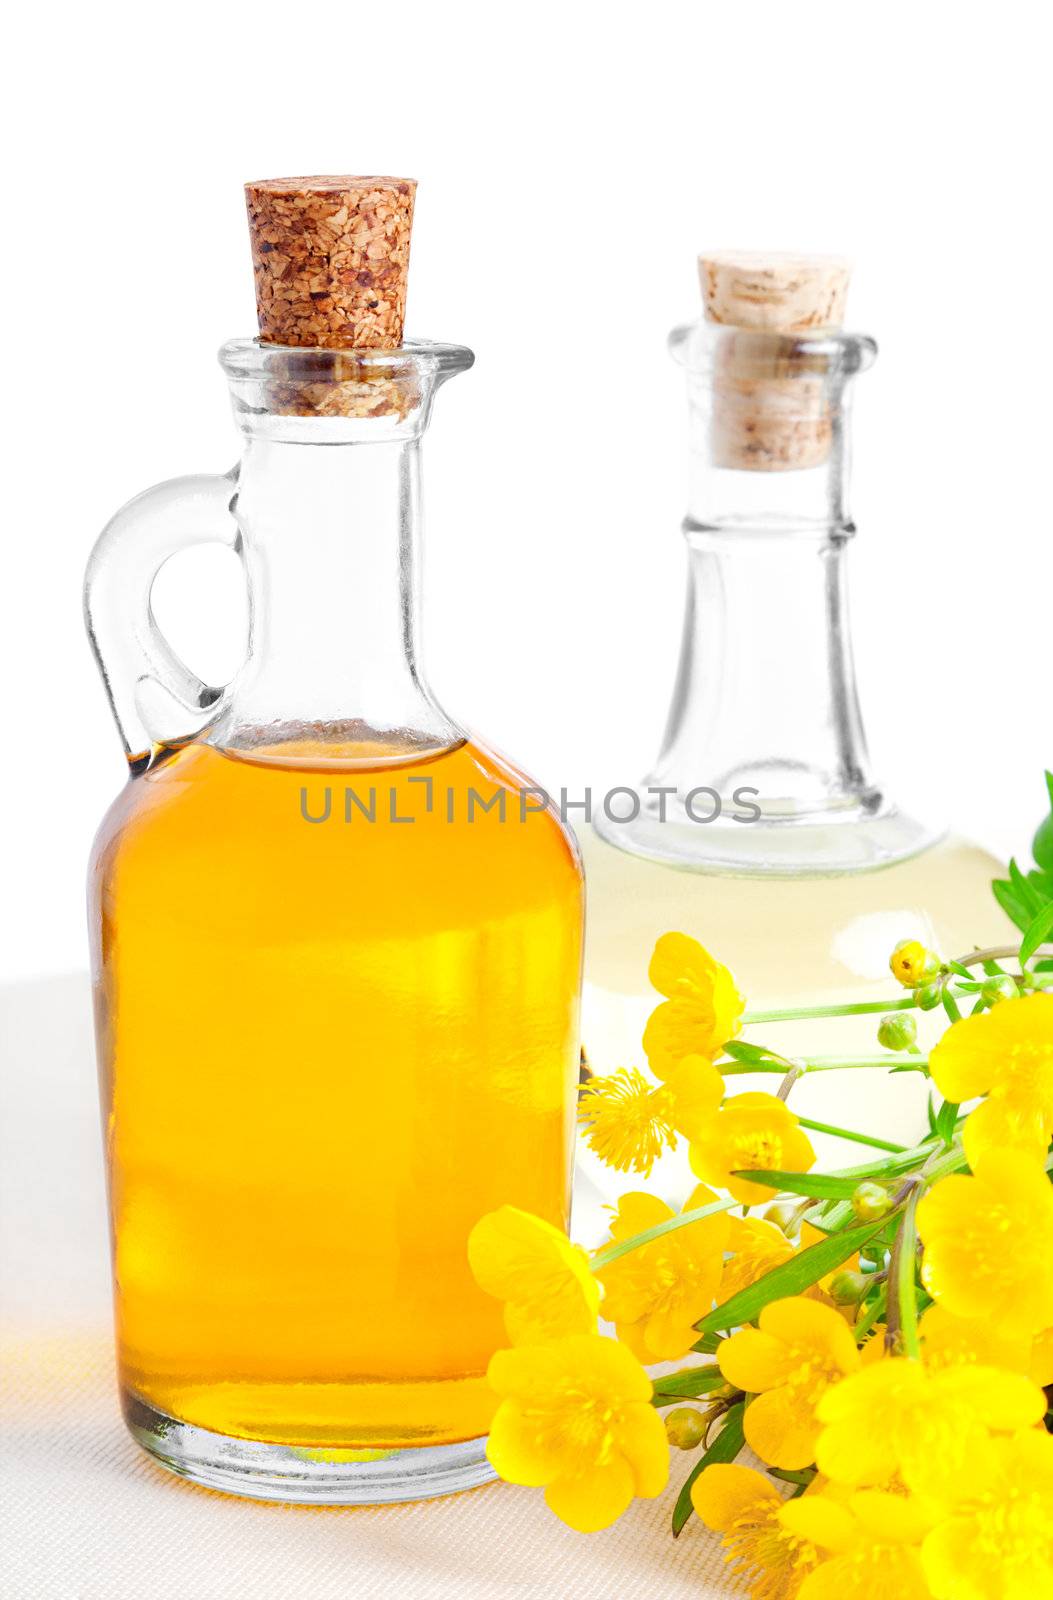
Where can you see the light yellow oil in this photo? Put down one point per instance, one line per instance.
(789, 942)
(327, 1048)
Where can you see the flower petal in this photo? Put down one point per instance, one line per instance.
(593, 1500)
(820, 1520)
(967, 1059)
(800, 1322)
(754, 1361)
(781, 1430)
(995, 1125)
(516, 1450)
(641, 1437)
(680, 964)
(726, 1491)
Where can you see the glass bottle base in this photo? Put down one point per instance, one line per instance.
(853, 840)
(292, 1476)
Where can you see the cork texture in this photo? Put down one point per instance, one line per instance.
(775, 293)
(772, 407)
(331, 259)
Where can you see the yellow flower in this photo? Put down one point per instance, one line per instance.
(789, 1362)
(898, 1417)
(654, 1295)
(629, 1120)
(744, 1506)
(987, 1242)
(752, 1132)
(575, 1415)
(871, 1541)
(998, 1538)
(948, 1341)
(545, 1281)
(1007, 1055)
(703, 1009)
(755, 1247)
(913, 964)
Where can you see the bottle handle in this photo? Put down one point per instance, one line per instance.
(155, 698)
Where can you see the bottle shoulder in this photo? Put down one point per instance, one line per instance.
(459, 826)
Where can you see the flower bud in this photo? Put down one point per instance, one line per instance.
(783, 1216)
(897, 1031)
(870, 1201)
(928, 996)
(912, 963)
(999, 987)
(845, 1288)
(685, 1428)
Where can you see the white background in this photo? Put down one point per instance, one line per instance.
(572, 159)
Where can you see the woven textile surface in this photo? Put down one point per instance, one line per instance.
(86, 1516)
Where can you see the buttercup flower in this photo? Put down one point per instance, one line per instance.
(752, 1132)
(949, 1341)
(575, 1416)
(998, 1537)
(654, 1295)
(789, 1362)
(1007, 1055)
(871, 1542)
(756, 1246)
(545, 1281)
(987, 1242)
(629, 1120)
(744, 1506)
(896, 1417)
(912, 963)
(703, 1009)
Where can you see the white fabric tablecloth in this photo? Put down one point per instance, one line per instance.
(86, 1516)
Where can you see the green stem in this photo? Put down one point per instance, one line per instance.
(871, 1315)
(847, 1133)
(858, 1008)
(890, 1059)
(903, 1297)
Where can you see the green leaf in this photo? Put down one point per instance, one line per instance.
(1037, 932)
(946, 1121)
(622, 1247)
(1024, 891)
(930, 1111)
(755, 1055)
(725, 1447)
(813, 1185)
(790, 1277)
(1014, 910)
(1042, 845)
(687, 1384)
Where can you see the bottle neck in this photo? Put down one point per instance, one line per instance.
(330, 541)
(765, 697)
(764, 766)
(328, 513)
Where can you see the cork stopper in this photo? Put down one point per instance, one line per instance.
(331, 258)
(776, 293)
(772, 409)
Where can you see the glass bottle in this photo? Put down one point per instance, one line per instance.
(337, 965)
(761, 829)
